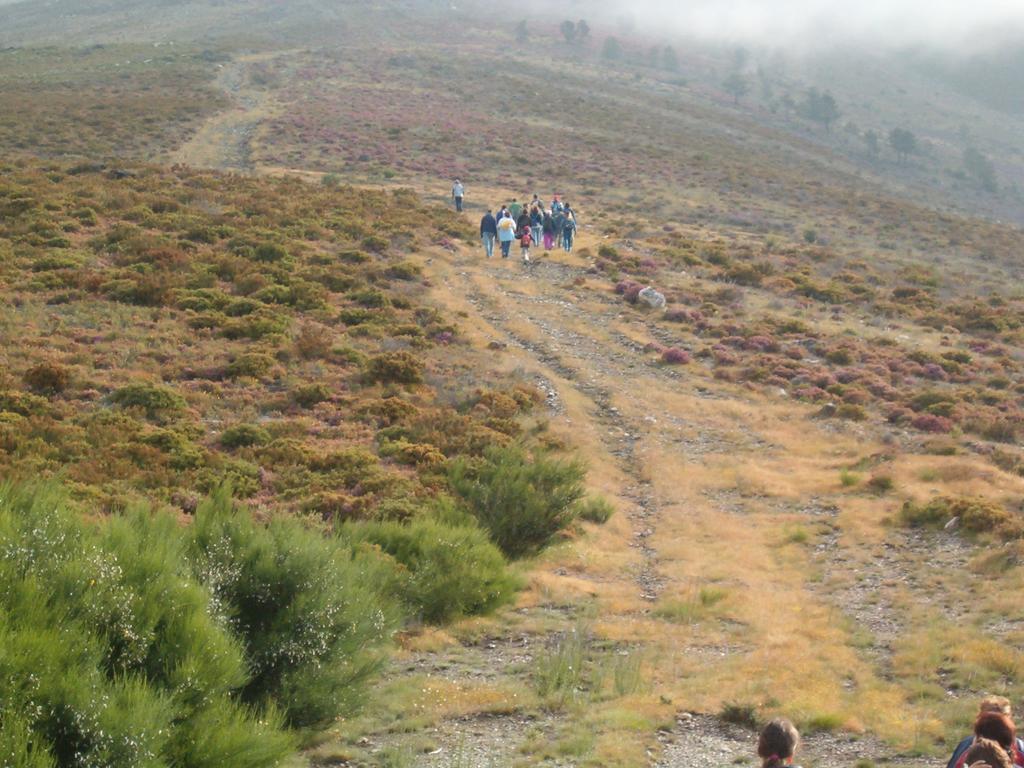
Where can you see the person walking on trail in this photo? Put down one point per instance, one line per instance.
(556, 205)
(548, 230)
(536, 203)
(522, 222)
(777, 744)
(568, 232)
(488, 232)
(525, 238)
(998, 704)
(515, 208)
(558, 220)
(506, 234)
(503, 213)
(458, 192)
(536, 222)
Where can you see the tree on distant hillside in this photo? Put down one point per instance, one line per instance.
(820, 108)
(569, 31)
(903, 142)
(981, 169)
(872, 142)
(669, 60)
(612, 49)
(736, 85)
(521, 32)
(582, 30)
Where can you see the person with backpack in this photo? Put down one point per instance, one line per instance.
(536, 222)
(989, 704)
(547, 228)
(458, 192)
(558, 220)
(488, 232)
(556, 205)
(515, 208)
(568, 232)
(506, 234)
(522, 222)
(525, 238)
(777, 744)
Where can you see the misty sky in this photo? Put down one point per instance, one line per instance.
(954, 23)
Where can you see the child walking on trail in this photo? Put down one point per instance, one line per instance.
(525, 239)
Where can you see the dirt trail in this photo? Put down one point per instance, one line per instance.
(583, 348)
(683, 457)
(224, 141)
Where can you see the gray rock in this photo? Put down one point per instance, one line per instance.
(652, 298)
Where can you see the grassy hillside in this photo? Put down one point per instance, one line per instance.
(172, 328)
(227, 260)
(104, 103)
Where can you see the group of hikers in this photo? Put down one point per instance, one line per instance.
(531, 224)
(994, 743)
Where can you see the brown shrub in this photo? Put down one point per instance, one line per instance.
(47, 378)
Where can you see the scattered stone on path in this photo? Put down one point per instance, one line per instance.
(652, 298)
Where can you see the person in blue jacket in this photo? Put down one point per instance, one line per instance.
(568, 231)
(536, 222)
(488, 232)
(506, 234)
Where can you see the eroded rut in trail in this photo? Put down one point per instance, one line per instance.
(582, 361)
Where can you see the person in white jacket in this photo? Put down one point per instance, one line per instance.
(458, 192)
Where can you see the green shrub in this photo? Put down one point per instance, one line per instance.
(155, 400)
(109, 649)
(309, 613)
(881, 483)
(522, 501)
(250, 364)
(394, 368)
(309, 395)
(244, 436)
(257, 325)
(269, 252)
(848, 478)
(976, 516)
(739, 713)
(375, 243)
(851, 412)
(448, 571)
(595, 509)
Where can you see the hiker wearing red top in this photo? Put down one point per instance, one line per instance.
(525, 238)
(777, 744)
